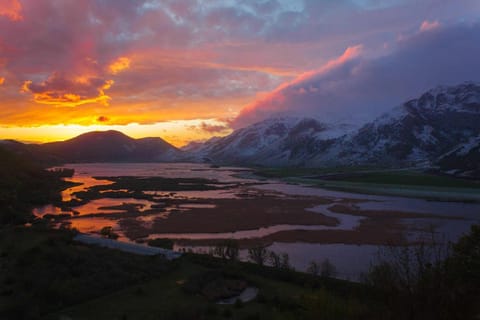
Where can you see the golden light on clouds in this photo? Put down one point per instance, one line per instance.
(119, 65)
(68, 93)
(178, 133)
(112, 63)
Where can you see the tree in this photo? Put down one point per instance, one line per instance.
(327, 269)
(227, 250)
(279, 261)
(313, 268)
(258, 255)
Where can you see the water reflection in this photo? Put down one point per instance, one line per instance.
(350, 260)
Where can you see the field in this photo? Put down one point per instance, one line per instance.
(407, 183)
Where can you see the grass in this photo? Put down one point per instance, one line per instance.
(44, 271)
(432, 193)
(369, 175)
(400, 182)
(408, 178)
(45, 276)
(292, 297)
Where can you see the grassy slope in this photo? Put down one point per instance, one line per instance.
(45, 275)
(408, 183)
(164, 298)
(24, 184)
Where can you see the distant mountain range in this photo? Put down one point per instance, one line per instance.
(440, 129)
(99, 146)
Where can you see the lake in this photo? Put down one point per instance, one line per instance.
(198, 206)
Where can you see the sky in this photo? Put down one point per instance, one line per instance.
(187, 70)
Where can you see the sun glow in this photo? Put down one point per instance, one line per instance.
(178, 133)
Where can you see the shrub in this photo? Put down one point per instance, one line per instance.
(238, 304)
(327, 269)
(313, 268)
(227, 250)
(258, 255)
(227, 313)
(108, 232)
(279, 261)
(161, 243)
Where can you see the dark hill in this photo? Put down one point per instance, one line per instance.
(110, 146)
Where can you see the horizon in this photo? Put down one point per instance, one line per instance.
(193, 70)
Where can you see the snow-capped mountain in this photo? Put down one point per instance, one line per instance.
(417, 132)
(276, 142)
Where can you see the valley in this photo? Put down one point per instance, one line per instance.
(198, 207)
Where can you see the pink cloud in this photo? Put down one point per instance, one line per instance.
(11, 9)
(180, 59)
(429, 25)
(277, 100)
(356, 88)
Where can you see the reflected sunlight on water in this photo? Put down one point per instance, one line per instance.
(350, 260)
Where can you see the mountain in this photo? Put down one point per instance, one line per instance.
(29, 151)
(110, 146)
(416, 133)
(281, 141)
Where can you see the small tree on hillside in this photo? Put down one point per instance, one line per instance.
(327, 269)
(227, 250)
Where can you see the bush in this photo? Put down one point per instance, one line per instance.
(227, 250)
(327, 269)
(108, 232)
(313, 268)
(279, 261)
(428, 281)
(227, 313)
(238, 304)
(161, 243)
(258, 255)
(211, 310)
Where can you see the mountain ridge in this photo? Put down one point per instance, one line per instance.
(439, 129)
(111, 146)
(99, 146)
(416, 133)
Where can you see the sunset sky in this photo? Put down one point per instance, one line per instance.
(191, 69)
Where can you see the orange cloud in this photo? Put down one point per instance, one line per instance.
(119, 65)
(11, 9)
(2, 81)
(102, 119)
(60, 91)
